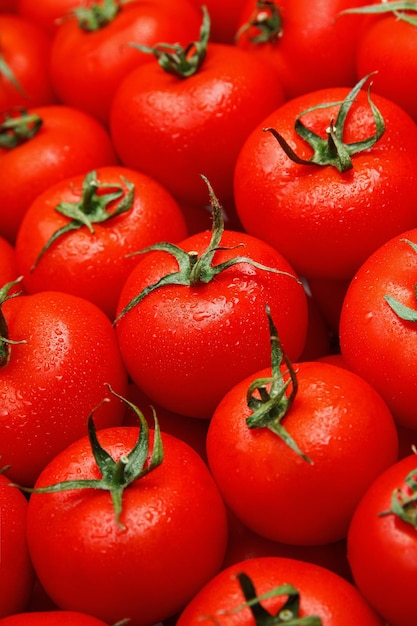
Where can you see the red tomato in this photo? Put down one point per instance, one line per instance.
(53, 380)
(94, 265)
(378, 341)
(42, 149)
(8, 6)
(16, 572)
(326, 222)
(224, 19)
(306, 43)
(49, 14)
(170, 537)
(320, 592)
(205, 334)
(183, 126)
(90, 86)
(382, 546)
(24, 73)
(52, 618)
(345, 436)
(8, 262)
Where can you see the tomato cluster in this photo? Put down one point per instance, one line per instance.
(208, 284)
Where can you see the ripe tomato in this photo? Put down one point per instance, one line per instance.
(90, 85)
(49, 14)
(206, 329)
(175, 126)
(52, 618)
(312, 441)
(8, 262)
(382, 545)
(38, 148)
(378, 339)
(326, 222)
(16, 572)
(145, 564)
(281, 587)
(306, 43)
(90, 258)
(53, 377)
(24, 55)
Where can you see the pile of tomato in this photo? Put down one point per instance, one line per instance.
(208, 285)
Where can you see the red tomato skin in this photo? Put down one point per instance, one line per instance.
(8, 262)
(174, 538)
(87, 67)
(176, 129)
(302, 62)
(382, 550)
(324, 222)
(25, 48)
(224, 18)
(215, 332)
(52, 618)
(54, 153)
(338, 420)
(374, 341)
(49, 14)
(322, 593)
(95, 265)
(16, 571)
(53, 382)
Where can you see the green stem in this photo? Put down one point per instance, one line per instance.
(97, 16)
(403, 312)
(17, 127)
(401, 10)
(5, 341)
(264, 25)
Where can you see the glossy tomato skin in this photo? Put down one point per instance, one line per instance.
(95, 265)
(325, 222)
(16, 571)
(176, 129)
(337, 420)
(375, 341)
(86, 67)
(303, 62)
(322, 593)
(69, 142)
(52, 618)
(173, 542)
(53, 381)
(26, 49)
(201, 340)
(382, 550)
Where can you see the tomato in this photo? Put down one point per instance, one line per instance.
(144, 563)
(125, 210)
(8, 262)
(290, 439)
(206, 328)
(24, 60)
(49, 14)
(327, 218)
(176, 124)
(382, 545)
(224, 19)
(8, 6)
(53, 377)
(321, 594)
(307, 43)
(16, 572)
(39, 147)
(377, 339)
(52, 618)
(107, 48)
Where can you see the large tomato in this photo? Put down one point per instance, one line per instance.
(41, 146)
(52, 377)
(382, 543)
(89, 59)
(326, 209)
(78, 235)
(378, 333)
(140, 546)
(192, 115)
(275, 590)
(202, 304)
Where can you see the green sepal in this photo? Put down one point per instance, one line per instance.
(5, 341)
(17, 127)
(332, 150)
(7, 72)
(266, 20)
(404, 502)
(96, 16)
(194, 269)
(399, 9)
(401, 310)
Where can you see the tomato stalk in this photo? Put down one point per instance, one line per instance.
(17, 127)
(332, 150)
(7, 72)
(116, 475)
(92, 208)
(5, 341)
(195, 269)
(97, 16)
(288, 614)
(264, 25)
(399, 9)
(271, 403)
(404, 501)
(178, 60)
(404, 312)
